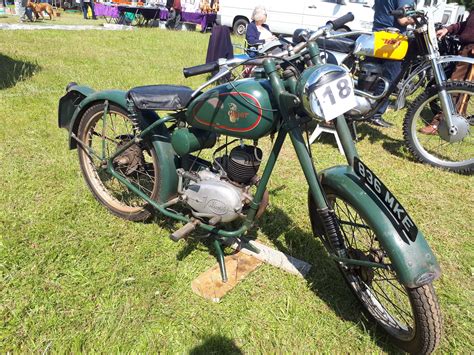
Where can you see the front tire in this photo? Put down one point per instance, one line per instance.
(433, 149)
(410, 316)
(138, 164)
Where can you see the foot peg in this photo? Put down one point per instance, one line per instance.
(184, 230)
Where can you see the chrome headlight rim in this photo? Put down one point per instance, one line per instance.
(321, 76)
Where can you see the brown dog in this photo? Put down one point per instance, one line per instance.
(39, 8)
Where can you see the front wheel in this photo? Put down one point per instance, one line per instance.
(410, 316)
(103, 135)
(427, 135)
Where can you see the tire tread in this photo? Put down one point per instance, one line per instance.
(410, 116)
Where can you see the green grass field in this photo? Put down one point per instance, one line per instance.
(74, 278)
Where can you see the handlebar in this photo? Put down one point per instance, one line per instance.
(200, 69)
(341, 21)
(399, 12)
(214, 66)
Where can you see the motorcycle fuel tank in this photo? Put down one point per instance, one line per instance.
(382, 44)
(243, 109)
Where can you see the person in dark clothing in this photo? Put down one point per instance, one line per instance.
(391, 68)
(85, 5)
(174, 17)
(257, 31)
(463, 71)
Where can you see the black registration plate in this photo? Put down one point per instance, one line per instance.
(403, 222)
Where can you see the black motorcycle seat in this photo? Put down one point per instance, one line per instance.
(342, 45)
(160, 97)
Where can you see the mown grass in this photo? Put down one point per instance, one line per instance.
(75, 278)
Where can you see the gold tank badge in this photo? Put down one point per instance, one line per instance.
(235, 115)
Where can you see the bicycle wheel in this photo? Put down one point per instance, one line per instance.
(455, 153)
(410, 317)
(138, 164)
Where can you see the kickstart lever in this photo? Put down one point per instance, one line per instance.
(184, 230)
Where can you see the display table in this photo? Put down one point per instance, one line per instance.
(138, 15)
(144, 15)
(126, 14)
(205, 20)
(108, 11)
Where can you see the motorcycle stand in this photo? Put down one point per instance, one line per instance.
(220, 258)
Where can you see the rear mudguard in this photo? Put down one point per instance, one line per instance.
(413, 261)
(78, 99)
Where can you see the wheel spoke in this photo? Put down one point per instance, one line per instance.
(433, 149)
(379, 289)
(118, 132)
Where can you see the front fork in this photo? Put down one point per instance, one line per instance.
(287, 103)
(446, 101)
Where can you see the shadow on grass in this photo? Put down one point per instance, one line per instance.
(216, 344)
(324, 278)
(12, 71)
(366, 131)
(395, 147)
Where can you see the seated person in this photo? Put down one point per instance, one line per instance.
(257, 31)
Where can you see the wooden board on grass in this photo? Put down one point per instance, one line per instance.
(209, 284)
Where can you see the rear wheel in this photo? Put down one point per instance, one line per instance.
(439, 148)
(410, 316)
(138, 164)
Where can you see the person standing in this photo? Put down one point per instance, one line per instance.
(85, 5)
(174, 17)
(463, 71)
(391, 68)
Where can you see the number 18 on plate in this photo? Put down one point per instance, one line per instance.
(336, 98)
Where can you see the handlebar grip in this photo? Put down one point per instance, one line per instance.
(200, 69)
(398, 12)
(341, 21)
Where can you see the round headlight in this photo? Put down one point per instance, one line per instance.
(312, 79)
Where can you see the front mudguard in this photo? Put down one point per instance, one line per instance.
(78, 99)
(413, 261)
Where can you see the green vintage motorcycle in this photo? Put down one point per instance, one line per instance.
(137, 163)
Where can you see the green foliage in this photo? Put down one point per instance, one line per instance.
(73, 278)
(469, 4)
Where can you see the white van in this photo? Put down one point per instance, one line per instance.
(285, 16)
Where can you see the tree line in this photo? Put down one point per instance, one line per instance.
(469, 4)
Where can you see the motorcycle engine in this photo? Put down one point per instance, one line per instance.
(221, 192)
(367, 76)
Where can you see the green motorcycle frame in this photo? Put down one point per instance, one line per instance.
(414, 262)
